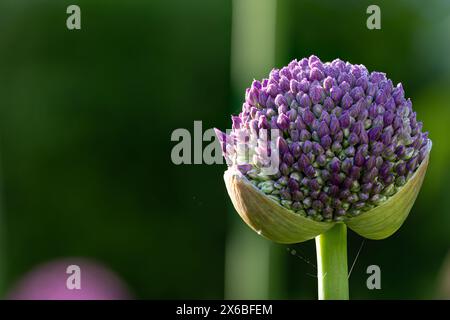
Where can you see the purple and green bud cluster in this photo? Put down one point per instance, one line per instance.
(348, 138)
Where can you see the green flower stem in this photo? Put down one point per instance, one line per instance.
(332, 272)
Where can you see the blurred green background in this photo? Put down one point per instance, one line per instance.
(86, 118)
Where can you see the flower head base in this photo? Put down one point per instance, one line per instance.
(346, 140)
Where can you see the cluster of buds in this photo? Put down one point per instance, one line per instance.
(346, 140)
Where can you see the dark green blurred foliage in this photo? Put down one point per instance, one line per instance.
(86, 118)
(86, 121)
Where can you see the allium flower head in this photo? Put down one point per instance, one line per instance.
(348, 139)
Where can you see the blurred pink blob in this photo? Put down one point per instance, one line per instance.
(56, 281)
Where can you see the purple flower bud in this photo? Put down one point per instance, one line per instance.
(323, 129)
(316, 74)
(357, 127)
(385, 169)
(398, 94)
(244, 168)
(400, 151)
(344, 120)
(297, 195)
(367, 187)
(357, 93)
(273, 123)
(328, 104)
(362, 82)
(377, 148)
(377, 188)
(299, 123)
(317, 149)
(381, 97)
(284, 83)
(293, 86)
(270, 103)
(285, 194)
(334, 192)
(344, 77)
(346, 101)
(339, 136)
(283, 122)
(350, 151)
(336, 93)
(308, 117)
(388, 118)
(317, 110)
(335, 165)
(272, 90)
(284, 169)
(386, 137)
(355, 172)
(286, 71)
(303, 161)
(325, 116)
(359, 158)
(345, 87)
(282, 145)
(398, 122)
(304, 85)
(305, 101)
(376, 77)
(336, 180)
(252, 96)
(317, 205)
(353, 139)
(336, 147)
(375, 133)
(292, 114)
(328, 83)
(263, 123)
(347, 183)
(400, 168)
(346, 165)
(293, 185)
(364, 137)
(280, 100)
(326, 141)
(307, 146)
(370, 175)
(411, 165)
(288, 158)
(305, 135)
(312, 59)
(314, 184)
(262, 99)
(310, 171)
(345, 193)
(363, 196)
(371, 89)
(316, 93)
(370, 162)
(363, 115)
(321, 160)
(334, 125)
(388, 179)
(237, 122)
(295, 149)
(256, 84)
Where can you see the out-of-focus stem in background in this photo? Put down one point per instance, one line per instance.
(251, 262)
